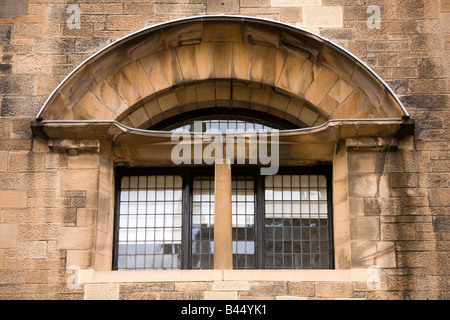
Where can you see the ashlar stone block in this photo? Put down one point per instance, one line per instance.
(341, 90)
(188, 63)
(3, 161)
(324, 16)
(296, 3)
(8, 236)
(297, 75)
(76, 238)
(13, 198)
(152, 66)
(109, 96)
(365, 228)
(124, 87)
(324, 82)
(364, 185)
(222, 7)
(138, 78)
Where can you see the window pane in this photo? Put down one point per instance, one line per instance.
(243, 222)
(225, 123)
(296, 220)
(149, 227)
(202, 222)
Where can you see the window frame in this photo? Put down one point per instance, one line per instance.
(211, 112)
(189, 172)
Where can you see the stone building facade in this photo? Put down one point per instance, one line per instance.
(364, 83)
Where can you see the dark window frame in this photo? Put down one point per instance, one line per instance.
(179, 119)
(189, 172)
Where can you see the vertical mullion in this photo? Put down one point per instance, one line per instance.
(115, 260)
(330, 220)
(259, 221)
(186, 241)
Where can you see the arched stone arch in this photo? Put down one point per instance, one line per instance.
(222, 61)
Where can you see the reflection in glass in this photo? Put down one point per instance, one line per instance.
(296, 220)
(150, 223)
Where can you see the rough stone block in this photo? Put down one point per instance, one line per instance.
(5, 33)
(334, 289)
(13, 8)
(101, 291)
(125, 22)
(303, 289)
(269, 288)
(222, 7)
(231, 286)
(32, 249)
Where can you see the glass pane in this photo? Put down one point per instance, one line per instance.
(202, 222)
(148, 225)
(224, 123)
(293, 201)
(243, 222)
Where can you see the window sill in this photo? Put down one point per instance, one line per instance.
(93, 276)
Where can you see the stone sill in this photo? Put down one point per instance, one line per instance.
(93, 276)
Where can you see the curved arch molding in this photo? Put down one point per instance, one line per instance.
(222, 61)
(210, 59)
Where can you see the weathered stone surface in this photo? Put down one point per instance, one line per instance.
(13, 198)
(390, 205)
(8, 235)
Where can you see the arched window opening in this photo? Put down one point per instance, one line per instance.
(223, 120)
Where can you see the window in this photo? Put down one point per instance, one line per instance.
(217, 119)
(165, 219)
(150, 222)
